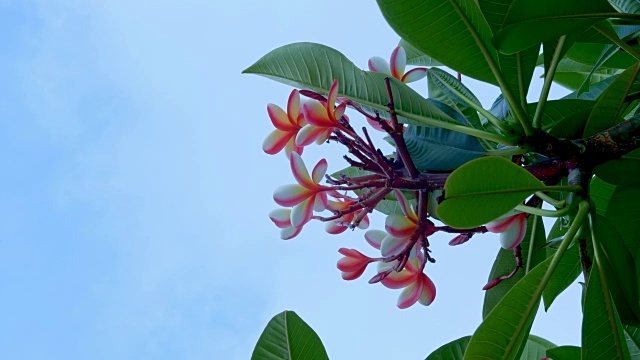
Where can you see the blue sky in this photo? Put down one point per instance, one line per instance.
(135, 192)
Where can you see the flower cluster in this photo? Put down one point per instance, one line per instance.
(404, 244)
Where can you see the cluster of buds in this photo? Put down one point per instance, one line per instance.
(404, 245)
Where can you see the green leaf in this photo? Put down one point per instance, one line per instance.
(441, 149)
(602, 336)
(420, 23)
(632, 335)
(607, 111)
(417, 57)
(624, 171)
(594, 90)
(502, 333)
(505, 262)
(564, 118)
(483, 190)
(568, 270)
(572, 74)
(566, 352)
(531, 22)
(440, 83)
(616, 264)
(536, 348)
(314, 66)
(450, 351)
(626, 6)
(288, 337)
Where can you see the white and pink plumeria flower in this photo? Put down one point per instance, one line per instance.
(353, 264)
(400, 229)
(287, 124)
(416, 285)
(397, 66)
(511, 227)
(305, 196)
(321, 118)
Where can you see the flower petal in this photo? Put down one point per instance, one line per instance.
(414, 75)
(302, 213)
(276, 141)
(291, 195)
(319, 170)
(514, 235)
(289, 232)
(380, 65)
(281, 217)
(428, 290)
(293, 106)
(375, 237)
(410, 294)
(398, 62)
(316, 114)
(502, 223)
(392, 245)
(364, 224)
(398, 280)
(405, 205)
(332, 97)
(292, 147)
(399, 226)
(335, 227)
(308, 134)
(300, 172)
(279, 118)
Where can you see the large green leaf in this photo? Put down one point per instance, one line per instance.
(450, 351)
(288, 337)
(591, 54)
(572, 74)
(417, 57)
(566, 273)
(502, 333)
(535, 348)
(422, 24)
(632, 335)
(314, 66)
(566, 352)
(595, 90)
(624, 171)
(564, 118)
(531, 22)
(505, 262)
(616, 264)
(483, 190)
(602, 336)
(608, 110)
(441, 149)
(443, 87)
(626, 6)
(623, 213)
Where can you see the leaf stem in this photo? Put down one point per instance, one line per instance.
(548, 199)
(534, 228)
(543, 212)
(548, 80)
(514, 103)
(459, 128)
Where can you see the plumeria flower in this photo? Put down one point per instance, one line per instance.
(305, 196)
(417, 285)
(282, 218)
(287, 124)
(353, 263)
(397, 66)
(511, 229)
(321, 117)
(340, 225)
(400, 229)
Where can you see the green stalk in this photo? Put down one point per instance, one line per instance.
(543, 212)
(514, 104)
(616, 40)
(532, 243)
(548, 199)
(548, 80)
(515, 150)
(460, 128)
